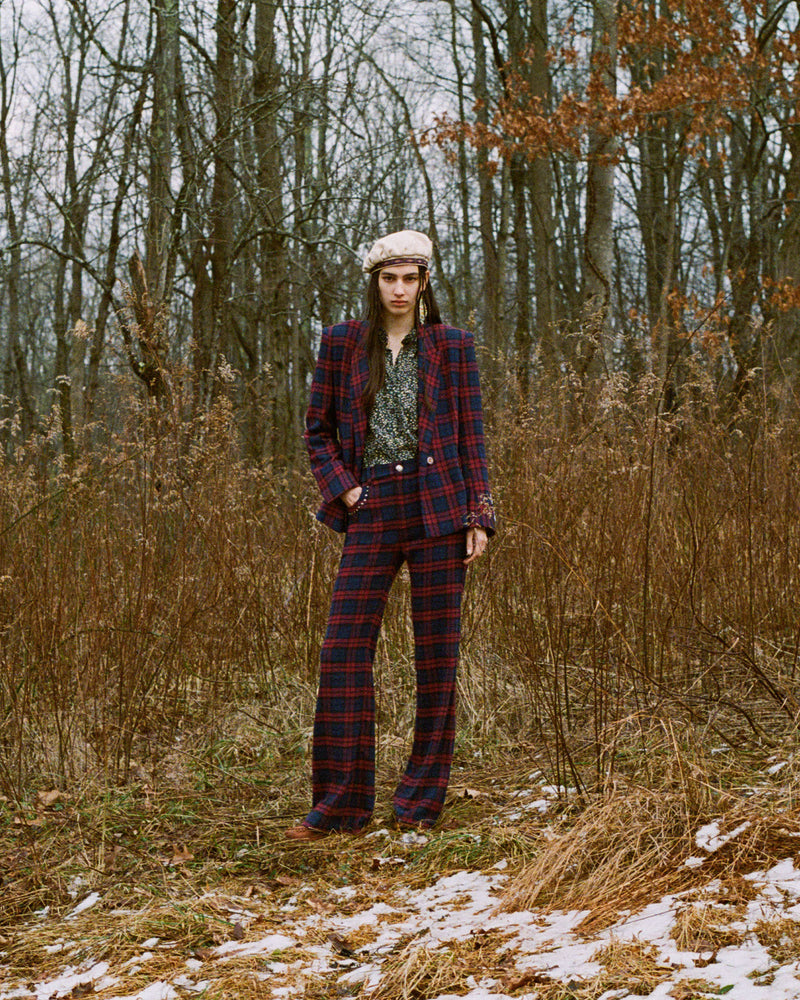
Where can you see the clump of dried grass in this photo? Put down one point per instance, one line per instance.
(632, 967)
(629, 965)
(607, 857)
(630, 846)
(418, 971)
(705, 927)
(693, 989)
(781, 937)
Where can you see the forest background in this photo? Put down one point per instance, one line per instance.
(187, 191)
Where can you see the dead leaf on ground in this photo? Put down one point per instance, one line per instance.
(26, 821)
(701, 963)
(82, 990)
(531, 978)
(463, 792)
(238, 932)
(378, 862)
(340, 945)
(180, 855)
(46, 799)
(320, 906)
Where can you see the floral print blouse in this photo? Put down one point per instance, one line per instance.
(393, 423)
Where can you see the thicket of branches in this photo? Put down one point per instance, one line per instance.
(160, 598)
(186, 190)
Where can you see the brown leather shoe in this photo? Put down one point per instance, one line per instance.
(304, 834)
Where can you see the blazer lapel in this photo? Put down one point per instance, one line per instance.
(428, 367)
(359, 373)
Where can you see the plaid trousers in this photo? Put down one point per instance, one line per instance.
(384, 529)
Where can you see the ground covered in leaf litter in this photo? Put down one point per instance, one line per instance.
(394, 915)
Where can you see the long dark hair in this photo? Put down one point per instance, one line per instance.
(372, 339)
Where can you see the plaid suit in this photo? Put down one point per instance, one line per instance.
(453, 481)
(414, 511)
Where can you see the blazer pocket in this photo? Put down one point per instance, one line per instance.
(352, 512)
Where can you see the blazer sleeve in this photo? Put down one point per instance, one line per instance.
(471, 446)
(322, 436)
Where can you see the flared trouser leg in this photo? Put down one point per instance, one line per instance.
(343, 766)
(437, 571)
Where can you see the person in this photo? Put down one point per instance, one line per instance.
(394, 431)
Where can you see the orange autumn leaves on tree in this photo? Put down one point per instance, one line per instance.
(690, 63)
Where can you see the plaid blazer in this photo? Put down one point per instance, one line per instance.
(453, 479)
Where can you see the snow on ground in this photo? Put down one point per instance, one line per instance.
(352, 936)
(454, 908)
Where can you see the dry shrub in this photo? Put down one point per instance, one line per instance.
(609, 856)
(781, 937)
(627, 849)
(647, 568)
(705, 927)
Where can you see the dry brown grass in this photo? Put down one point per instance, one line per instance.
(629, 965)
(608, 857)
(419, 971)
(693, 989)
(705, 927)
(781, 937)
(629, 846)
(632, 967)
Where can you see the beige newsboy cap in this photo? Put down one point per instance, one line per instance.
(406, 247)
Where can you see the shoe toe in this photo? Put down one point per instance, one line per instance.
(304, 834)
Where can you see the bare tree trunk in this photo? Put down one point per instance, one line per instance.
(523, 340)
(274, 286)
(598, 257)
(17, 378)
(158, 230)
(463, 272)
(222, 192)
(492, 287)
(540, 180)
(787, 321)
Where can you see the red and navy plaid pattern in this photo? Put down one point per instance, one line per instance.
(387, 528)
(453, 479)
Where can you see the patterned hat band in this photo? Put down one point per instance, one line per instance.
(419, 261)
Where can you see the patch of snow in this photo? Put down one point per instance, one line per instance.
(708, 837)
(273, 942)
(412, 838)
(74, 886)
(556, 791)
(155, 991)
(64, 984)
(134, 962)
(85, 904)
